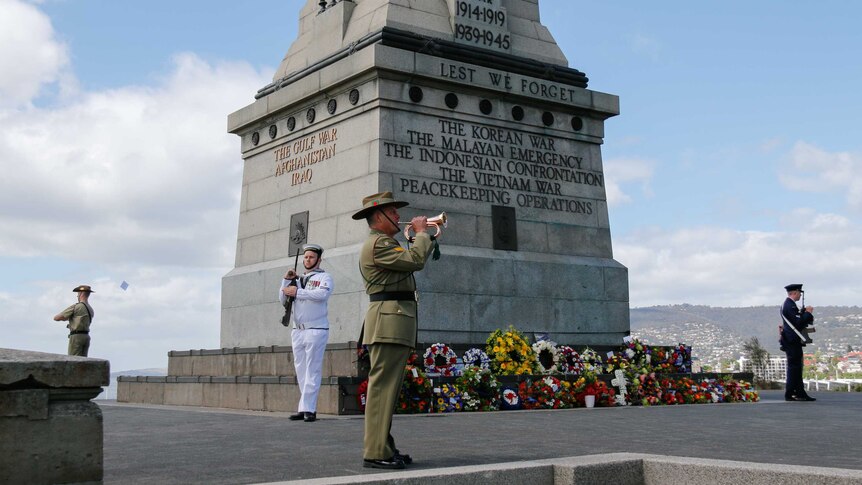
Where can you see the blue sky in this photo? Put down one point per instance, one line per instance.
(735, 167)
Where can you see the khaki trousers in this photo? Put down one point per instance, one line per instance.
(384, 386)
(79, 344)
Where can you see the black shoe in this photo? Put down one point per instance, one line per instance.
(296, 417)
(805, 398)
(309, 417)
(391, 464)
(407, 459)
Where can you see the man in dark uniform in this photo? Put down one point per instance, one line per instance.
(390, 327)
(792, 340)
(80, 316)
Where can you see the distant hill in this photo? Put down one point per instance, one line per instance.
(837, 326)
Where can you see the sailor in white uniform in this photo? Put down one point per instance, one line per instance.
(310, 326)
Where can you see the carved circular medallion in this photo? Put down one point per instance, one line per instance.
(517, 113)
(485, 107)
(577, 123)
(353, 97)
(255, 138)
(273, 130)
(291, 123)
(331, 106)
(451, 100)
(415, 94)
(548, 118)
(310, 114)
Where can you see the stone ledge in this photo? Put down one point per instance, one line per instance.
(617, 468)
(28, 369)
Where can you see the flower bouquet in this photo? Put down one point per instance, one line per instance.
(415, 395)
(479, 389)
(638, 354)
(447, 399)
(540, 394)
(510, 353)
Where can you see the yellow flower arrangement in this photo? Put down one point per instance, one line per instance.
(510, 353)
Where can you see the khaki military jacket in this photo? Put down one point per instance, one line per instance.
(386, 267)
(79, 319)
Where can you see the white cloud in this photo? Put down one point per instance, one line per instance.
(813, 169)
(140, 173)
(623, 172)
(30, 54)
(139, 183)
(725, 267)
(164, 309)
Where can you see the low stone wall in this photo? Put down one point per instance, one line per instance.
(616, 468)
(50, 431)
(256, 393)
(276, 360)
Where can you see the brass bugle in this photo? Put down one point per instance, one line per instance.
(436, 221)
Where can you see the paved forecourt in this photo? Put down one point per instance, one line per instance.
(165, 445)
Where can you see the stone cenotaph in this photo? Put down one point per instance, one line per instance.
(462, 106)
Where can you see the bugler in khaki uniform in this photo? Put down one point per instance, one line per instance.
(390, 326)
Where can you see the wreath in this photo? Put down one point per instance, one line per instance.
(447, 399)
(592, 360)
(541, 394)
(510, 399)
(415, 395)
(510, 353)
(547, 357)
(480, 390)
(570, 361)
(440, 359)
(637, 353)
(476, 358)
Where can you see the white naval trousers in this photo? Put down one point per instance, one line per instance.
(308, 347)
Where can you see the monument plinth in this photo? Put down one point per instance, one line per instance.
(462, 106)
(467, 107)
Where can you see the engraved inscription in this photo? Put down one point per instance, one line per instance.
(296, 158)
(497, 165)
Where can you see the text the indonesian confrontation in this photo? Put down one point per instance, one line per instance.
(496, 165)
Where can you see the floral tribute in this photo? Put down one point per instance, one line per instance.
(541, 393)
(646, 376)
(480, 390)
(362, 395)
(447, 399)
(440, 359)
(681, 358)
(637, 353)
(415, 395)
(588, 384)
(510, 399)
(476, 358)
(510, 353)
(548, 357)
(570, 361)
(592, 360)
